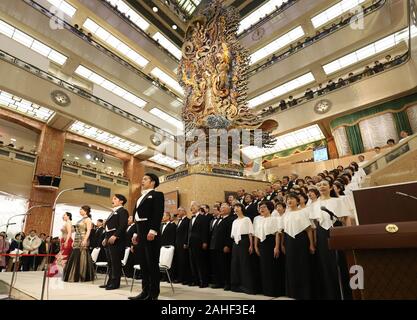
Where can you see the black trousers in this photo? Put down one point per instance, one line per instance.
(198, 264)
(148, 256)
(221, 272)
(182, 264)
(114, 259)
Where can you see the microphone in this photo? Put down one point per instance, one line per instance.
(10, 224)
(331, 214)
(405, 195)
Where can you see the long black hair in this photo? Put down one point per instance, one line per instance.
(87, 210)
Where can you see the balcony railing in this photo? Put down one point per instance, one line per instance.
(82, 93)
(153, 81)
(13, 153)
(95, 174)
(312, 40)
(349, 80)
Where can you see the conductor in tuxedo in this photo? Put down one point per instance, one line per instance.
(148, 215)
(114, 241)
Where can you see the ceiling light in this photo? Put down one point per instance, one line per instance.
(110, 86)
(164, 42)
(13, 139)
(96, 158)
(64, 6)
(88, 156)
(104, 137)
(32, 43)
(334, 11)
(281, 90)
(169, 81)
(102, 160)
(166, 117)
(174, 26)
(131, 14)
(115, 43)
(166, 161)
(369, 50)
(155, 9)
(259, 13)
(28, 108)
(287, 141)
(277, 44)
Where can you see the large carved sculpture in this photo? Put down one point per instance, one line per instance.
(213, 72)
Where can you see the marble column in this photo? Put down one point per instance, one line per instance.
(49, 162)
(134, 171)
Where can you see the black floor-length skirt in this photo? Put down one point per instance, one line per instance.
(269, 267)
(297, 266)
(80, 267)
(327, 269)
(242, 273)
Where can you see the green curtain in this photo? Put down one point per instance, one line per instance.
(402, 122)
(355, 139)
(392, 106)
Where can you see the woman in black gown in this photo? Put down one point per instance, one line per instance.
(267, 247)
(298, 245)
(242, 277)
(328, 272)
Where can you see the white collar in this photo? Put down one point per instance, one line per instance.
(117, 208)
(146, 191)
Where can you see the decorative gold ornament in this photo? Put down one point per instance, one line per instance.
(391, 228)
(213, 72)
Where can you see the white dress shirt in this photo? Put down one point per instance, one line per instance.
(144, 193)
(111, 214)
(241, 226)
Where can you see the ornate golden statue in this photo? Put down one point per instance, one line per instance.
(213, 72)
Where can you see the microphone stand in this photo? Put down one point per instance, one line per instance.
(50, 233)
(18, 244)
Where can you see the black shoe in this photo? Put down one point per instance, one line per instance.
(103, 286)
(142, 296)
(203, 285)
(216, 286)
(112, 287)
(226, 288)
(192, 284)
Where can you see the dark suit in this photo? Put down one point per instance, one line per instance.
(221, 238)
(168, 234)
(251, 210)
(198, 233)
(151, 208)
(131, 261)
(114, 252)
(99, 236)
(182, 260)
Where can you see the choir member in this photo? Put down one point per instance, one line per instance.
(221, 247)
(267, 247)
(198, 237)
(167, 231)
(182, 260)
(327, 265)
(242, 277)
(251, 208)
(298, 245)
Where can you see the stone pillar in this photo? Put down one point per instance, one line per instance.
(134, 171)
(331, 146)
(49, 162)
